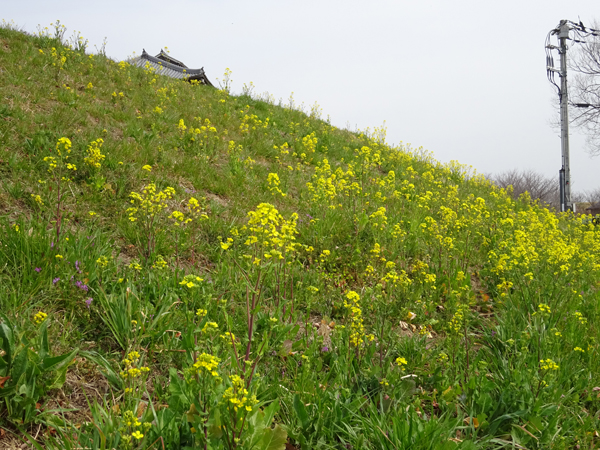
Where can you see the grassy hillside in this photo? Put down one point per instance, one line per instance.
(184, 268)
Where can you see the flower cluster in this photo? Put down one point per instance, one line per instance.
(543, 310)
(357, 328)
(273, 180)
(206, 363)
(193, 210)
(160, 263)
(401, 363)
(132, 367)
(40, 317)
(238, 396)
(94, 155)
(271, 234)
(457, 323)
(131, 422)
(191, 281)
(548, 364)
(102, 261)
(150, 202)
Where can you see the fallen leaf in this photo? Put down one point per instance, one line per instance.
(141, 408)
(2, 381)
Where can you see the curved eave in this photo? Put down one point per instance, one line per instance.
(170, 70)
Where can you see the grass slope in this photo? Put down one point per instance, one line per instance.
(184, 268)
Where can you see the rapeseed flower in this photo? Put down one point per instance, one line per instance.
(40, 317)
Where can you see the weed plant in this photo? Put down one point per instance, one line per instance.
(239, 274)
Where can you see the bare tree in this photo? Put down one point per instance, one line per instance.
(590, 196)
(584, 89)
(540, 187)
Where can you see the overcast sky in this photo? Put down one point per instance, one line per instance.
(465, 79)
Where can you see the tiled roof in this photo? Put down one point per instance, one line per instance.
(170, 67)
(165, 57)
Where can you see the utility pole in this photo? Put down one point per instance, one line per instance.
(565, 171)
(580, 33)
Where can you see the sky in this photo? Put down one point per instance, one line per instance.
(464, 79)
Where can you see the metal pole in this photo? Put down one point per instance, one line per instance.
(561, 185)
(563, 35)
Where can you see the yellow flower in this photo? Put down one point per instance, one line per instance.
(95, 156)
(102, 261)
(188, 281)
(37, 199)
(401, 362)
(137, 435)
(207, 363)
(59, 257)
(160, 263)
(548, 364)
(40, 317)
(147, 167)
(226, 245)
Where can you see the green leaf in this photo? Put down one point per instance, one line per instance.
(363, 220)
(192, 414)
(537, 423)
(44, 346)
(270, 412)
(301, 412)
(57, 362)
(215, 430)
(31, 440)
(8, 342)
(19, 364)
(60, 378)
(274, 439)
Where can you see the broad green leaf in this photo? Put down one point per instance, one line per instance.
(536, 422)
(274, 439)
(301, 412)
(60, 378)
(215, 430)
(19, 364)
(192, 414)
(270, 412)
